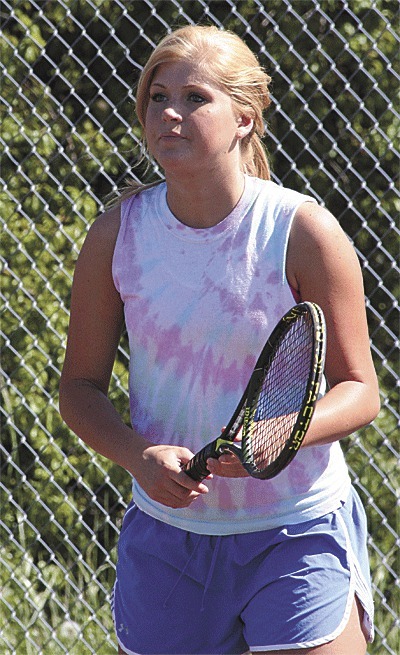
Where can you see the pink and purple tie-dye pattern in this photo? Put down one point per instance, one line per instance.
(199, 305)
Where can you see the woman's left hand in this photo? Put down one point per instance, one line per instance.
(227, 465)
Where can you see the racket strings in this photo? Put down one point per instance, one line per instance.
(279, 400)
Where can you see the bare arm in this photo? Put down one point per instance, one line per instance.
(323, 267)
(96, 322)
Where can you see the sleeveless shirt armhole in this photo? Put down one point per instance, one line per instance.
(125, 211)
(295, 294)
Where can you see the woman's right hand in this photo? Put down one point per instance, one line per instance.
(159, 473)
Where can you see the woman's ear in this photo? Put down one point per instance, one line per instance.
(245, 126)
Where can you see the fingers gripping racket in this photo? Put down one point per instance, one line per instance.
(276, 408)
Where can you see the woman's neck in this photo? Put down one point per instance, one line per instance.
(204, 203)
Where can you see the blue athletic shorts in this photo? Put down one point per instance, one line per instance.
(178, 592)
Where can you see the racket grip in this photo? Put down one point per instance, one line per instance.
(196, 468)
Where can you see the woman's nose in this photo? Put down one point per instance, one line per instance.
(171, 114)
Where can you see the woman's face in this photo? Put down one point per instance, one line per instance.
(191, 124)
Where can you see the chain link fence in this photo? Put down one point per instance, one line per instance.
(69, 137)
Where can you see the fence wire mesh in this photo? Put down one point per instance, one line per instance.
(69, 137)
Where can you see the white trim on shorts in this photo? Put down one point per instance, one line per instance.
(358, 587)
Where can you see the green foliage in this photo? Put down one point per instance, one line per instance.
(69, 137)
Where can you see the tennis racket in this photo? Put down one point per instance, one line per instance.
(276, 408)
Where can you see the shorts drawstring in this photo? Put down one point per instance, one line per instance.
(209, 574)
(211, 571)
(182, 573)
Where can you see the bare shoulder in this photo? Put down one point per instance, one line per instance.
(315, 224)
(319, 250)
(104, 232)
(93, 272)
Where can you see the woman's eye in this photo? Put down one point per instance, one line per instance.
(196, 97)
(157, 97)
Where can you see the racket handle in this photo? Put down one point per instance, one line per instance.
(196, 468)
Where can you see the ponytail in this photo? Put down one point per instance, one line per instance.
(255, 160)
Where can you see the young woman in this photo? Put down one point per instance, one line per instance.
(201, 267)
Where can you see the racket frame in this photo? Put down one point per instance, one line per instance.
(304, 417)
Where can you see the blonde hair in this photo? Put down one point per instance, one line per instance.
(230, 64)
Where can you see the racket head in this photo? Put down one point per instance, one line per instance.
(283, 391)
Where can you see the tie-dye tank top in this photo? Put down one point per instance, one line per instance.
(199, 305)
